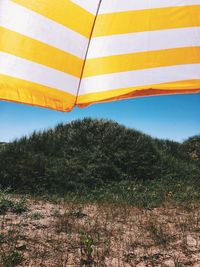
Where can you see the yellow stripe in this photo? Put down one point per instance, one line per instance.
(33, 50)
(64, 12)
(22, 91)
(180, 87)
(142, 60)
(147, 20)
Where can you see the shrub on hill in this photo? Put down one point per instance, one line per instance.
(87, 154)
(192, 148)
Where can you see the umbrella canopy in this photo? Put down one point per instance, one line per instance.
(60, 54)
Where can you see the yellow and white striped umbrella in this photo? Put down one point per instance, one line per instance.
(61, 53)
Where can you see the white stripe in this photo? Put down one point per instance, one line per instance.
(139, 78)
(110, 6)
(23, 69)
(143, 41)
(24, 21)
(89, 5)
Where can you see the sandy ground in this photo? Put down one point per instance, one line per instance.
(70, 234)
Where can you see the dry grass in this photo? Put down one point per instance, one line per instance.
(100, 235)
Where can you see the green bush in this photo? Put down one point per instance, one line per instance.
(11, 259)
(12, 205)
(20, 206)
(90, 158)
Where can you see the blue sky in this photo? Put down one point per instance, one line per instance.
(174, 117)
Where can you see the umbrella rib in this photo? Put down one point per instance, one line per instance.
(88, 46)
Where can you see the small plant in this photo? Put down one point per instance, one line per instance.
(37, 216)
(64, 224)
(55, 213)
(8, 204)
(78, 214)
(177, 263)
(20, 206)
(5, 205)
(11, 259)
(87, 250)
(2, 237)
(159, 233)
(5, 202)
